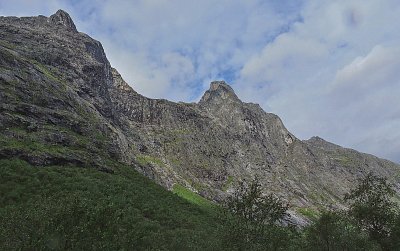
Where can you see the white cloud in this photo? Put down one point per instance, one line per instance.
(365, 94)
(366, 72)
(335, 73)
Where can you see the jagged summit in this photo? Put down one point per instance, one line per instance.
(215, 85)
(61, 17)
(321, 143)
(219, 90)
(316, 138)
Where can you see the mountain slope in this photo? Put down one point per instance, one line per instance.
(62, 103)
(72, 208)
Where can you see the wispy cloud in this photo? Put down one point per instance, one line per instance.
(334, 74)
(328, 68)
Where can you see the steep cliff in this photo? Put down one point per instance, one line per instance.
(62, 103)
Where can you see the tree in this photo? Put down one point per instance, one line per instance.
(372, 206)
(251, 217)
(335, 231)
(395, 234)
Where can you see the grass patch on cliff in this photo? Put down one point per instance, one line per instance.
(345, 159)
(8, 88)
(52, 144)
(7, 45)
(7, 56)
(30, 143)
(147, 159)
(192, 197)
(29, 146)
(44, 69)
(228, 183)
(309, 213)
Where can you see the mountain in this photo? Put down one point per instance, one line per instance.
(61, 103)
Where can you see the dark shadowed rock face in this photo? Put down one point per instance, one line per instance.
(61, 102)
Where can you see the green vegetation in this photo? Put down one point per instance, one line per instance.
(7, 45)
(8, 88)
(308, 212)
(147, 159)
(44, 69)
(371, 223)
(19, 139)
(7, 55)
(32, 146)
(372, 206)
(345, 159)
(192, 197)
(174, 161)
(337, 231)
(228, 183)
(71, 208)
(251, 218)
(38, 140)
(64, 208)
(38, 88)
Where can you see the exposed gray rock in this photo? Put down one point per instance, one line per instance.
(62, 103)
(219, 92)
(62, 18)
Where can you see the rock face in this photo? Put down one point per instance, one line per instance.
(62, 18)
(62, 103)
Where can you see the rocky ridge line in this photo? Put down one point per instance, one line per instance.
(59, 91)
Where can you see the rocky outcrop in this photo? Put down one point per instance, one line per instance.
(62, 18)
(61, 102)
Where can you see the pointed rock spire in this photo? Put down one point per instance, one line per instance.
(63, 18)
(219, 90)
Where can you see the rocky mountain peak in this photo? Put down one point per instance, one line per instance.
(219, 91)
(215, 85)
(63, 18)
(58, 91)
(321, 143)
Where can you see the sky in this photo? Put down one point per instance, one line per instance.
(327, 68)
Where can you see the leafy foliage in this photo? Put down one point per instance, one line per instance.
(371, 223)
(335, 231)
(373, 208)
(249, 203)
(252, 217)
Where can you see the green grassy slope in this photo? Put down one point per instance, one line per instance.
(193, 197)
(59, 208)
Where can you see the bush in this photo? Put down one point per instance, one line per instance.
(335, 231)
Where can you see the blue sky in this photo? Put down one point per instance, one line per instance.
(327, 68)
